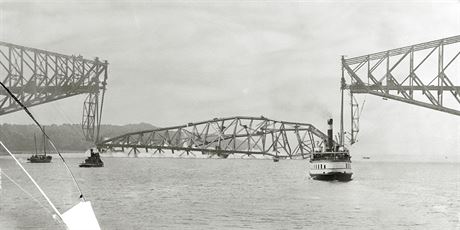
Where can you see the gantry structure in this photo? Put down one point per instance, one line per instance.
(224, 136)
(424, 74)
(37, 76)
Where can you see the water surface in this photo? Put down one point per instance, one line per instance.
(165, 193)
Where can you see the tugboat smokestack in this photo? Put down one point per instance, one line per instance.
(330, 141)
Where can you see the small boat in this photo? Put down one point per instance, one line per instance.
(276, 158)
(334, 163)
(40, 158)
(92, 161)
(80, 216)
(366, 158)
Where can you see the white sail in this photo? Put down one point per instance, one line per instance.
(81, 217)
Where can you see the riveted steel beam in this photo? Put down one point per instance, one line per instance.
(224, 136)
(403, 74)
(38, 76)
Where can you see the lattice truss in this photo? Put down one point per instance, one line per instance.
(224, 136)
(425, 74)
(38, 76)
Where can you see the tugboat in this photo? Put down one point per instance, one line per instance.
(40, 158)
(92, 161)
(332, 162)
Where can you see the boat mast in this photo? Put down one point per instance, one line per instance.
(44, 142)
(33, 181)
(35, 140)
(47, 137)
(341, 106)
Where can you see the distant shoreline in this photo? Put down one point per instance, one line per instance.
(20, 138)
(33, 151)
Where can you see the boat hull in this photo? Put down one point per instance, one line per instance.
(91, 165)
(331, 170)
(339, 176)
(41, 159)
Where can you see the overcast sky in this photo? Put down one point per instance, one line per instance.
(173, 63)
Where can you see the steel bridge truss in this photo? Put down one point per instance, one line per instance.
(38, 76)
(424, 74)
(224, 136)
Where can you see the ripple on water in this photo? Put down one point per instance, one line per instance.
(239, 194)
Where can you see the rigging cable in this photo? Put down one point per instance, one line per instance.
(362, 106)
(25, 191)
(46, 135)
(33, 181)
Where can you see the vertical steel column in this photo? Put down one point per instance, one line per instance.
(387, 75)
(352, 139)
(342, 85)
(411, 72)
(440, 71)
(90, 106)
(21, 74)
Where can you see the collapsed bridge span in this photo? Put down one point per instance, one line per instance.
(224, 136)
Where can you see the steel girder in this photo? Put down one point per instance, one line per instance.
(37, 76)
(224, 136)
(417, 74)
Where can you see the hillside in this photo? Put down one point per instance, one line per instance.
(67, 137)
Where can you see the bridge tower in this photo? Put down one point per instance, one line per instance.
(421, 75)
(37, 76)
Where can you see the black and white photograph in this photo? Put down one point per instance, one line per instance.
(229, 114)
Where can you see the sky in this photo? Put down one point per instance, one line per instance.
(174, 62)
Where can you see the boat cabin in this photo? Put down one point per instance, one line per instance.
(330, 156)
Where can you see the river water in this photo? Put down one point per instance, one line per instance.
(168, 193)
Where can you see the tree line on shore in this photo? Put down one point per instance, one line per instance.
(67, 137)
